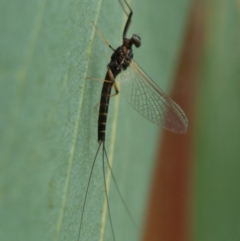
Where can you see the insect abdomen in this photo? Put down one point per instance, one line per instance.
(103, 109)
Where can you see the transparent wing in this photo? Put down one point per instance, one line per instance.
(150, 101)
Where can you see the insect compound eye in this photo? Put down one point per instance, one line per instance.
(136, 40)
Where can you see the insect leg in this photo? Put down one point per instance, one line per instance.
(110, 74)
(115, 88)
(103, 38)
(98, 79)
(120, 2)
(129, 17)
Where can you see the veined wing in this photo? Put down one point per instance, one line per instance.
(150, 101)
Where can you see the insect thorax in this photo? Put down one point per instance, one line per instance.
(120, 59)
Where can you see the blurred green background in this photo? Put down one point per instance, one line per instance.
(48, 117)
(217, 135)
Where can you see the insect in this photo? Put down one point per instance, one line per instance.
(140, 91)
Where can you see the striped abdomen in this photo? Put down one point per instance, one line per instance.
(103, 109)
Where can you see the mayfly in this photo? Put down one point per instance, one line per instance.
(140, 91)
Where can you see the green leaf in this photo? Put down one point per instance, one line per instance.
(217, 170)
(49, 115)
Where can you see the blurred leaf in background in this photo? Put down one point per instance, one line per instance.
(218, 134)
(196, 192)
